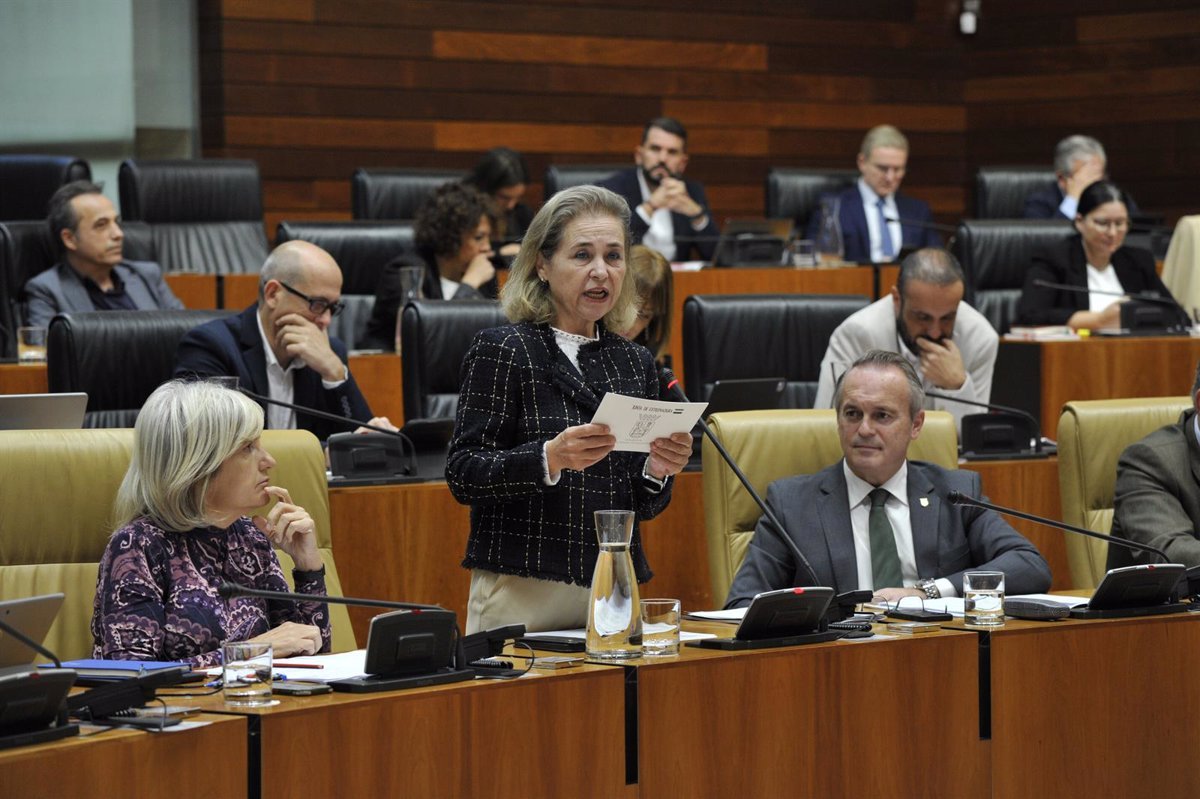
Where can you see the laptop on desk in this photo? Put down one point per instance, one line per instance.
(42, 411)
(748, 394)
(32, 617)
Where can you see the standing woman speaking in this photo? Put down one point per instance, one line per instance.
(524, 455)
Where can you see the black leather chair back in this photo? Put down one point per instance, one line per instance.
(205, 215)
(26, 250)
(741, 336)
(28, 181)
(564, 176)
(995, 254)
(117, 357)
(395, 193)
(434, 337)
(1000, 191)
(795, 193)
(362, 248)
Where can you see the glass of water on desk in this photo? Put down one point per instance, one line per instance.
(983, 595)
(247, 674)
(660, 627)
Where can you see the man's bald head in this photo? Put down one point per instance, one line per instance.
(297, 262)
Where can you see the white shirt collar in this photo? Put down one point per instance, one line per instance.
(869, 197)
(272, 361)
(858, 489)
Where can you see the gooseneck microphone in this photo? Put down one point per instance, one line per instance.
(957, 498)
(670, 385)
(921, 223)
(1139, 296)
(991, 406)
(229, 590)
(405, 441)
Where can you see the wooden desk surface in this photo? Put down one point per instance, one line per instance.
(378, 376)
(817, 720)
(1095, 708)
(1041, 377)
(1030, 486)
(552, 735)
(103, 763)
(406, 543)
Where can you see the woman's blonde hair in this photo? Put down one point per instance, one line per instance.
(525, 298)
(654, 286)
(183, 434)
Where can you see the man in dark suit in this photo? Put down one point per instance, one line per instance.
(876, 520)
(280, 347)
(92, 275)
(877, 222)
(1157, 498)
(668, 213)
(1079, 161)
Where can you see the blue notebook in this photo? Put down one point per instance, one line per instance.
(117, 669)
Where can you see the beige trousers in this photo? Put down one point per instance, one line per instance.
(500, 599)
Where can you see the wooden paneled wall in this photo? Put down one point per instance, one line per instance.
(1125, 72)
(312, 89)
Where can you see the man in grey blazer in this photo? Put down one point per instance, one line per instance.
(92, 276)
(1157, 498)
(950, 344)
(876, 520)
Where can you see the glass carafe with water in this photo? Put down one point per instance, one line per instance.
(828, 242)
(614, 628)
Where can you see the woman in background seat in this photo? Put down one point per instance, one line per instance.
(502, 175)
(1095, 258)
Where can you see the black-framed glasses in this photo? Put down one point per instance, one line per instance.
(318, 305)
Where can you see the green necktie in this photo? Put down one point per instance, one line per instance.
(885, 562)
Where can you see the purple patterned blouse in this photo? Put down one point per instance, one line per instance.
(156, 594)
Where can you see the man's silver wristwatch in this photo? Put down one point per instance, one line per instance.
(929, 586)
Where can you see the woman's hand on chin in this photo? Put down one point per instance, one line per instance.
(289, 527)
(290, 639)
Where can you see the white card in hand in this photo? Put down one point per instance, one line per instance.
(636, 421)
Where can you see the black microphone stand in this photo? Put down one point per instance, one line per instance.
(957, 498)
(399, 646)
(333, 417)
(1037, 428)
(671, 382)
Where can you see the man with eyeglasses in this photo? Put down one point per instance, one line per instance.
(878, 222)
(877, 520)
(281, 347)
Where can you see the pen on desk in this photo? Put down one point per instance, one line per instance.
(300, 665)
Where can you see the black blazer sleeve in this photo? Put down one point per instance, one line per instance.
(1046, 306)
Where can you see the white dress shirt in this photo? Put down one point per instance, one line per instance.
(1102, 280)
(896, 507)
(661, 235)
(281, 384)
(869, 200)
(1068, 206)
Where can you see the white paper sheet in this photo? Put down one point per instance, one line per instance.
(636, 421)
(733, 614)
(581, 634)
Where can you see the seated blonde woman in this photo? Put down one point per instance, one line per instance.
(198, 470)
(653, 284)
